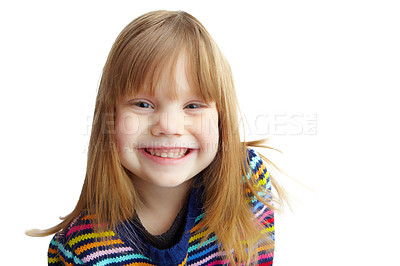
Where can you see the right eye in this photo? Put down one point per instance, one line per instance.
(142, 104)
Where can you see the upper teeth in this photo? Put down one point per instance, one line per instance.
(170, 153)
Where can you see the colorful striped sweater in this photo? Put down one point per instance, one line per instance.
(79, 244)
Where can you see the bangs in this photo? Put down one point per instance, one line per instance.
(148, 50)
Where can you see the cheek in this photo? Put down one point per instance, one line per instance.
(128, 127)
(127, 124)
(208, 133)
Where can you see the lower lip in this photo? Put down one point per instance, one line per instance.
(168, 161)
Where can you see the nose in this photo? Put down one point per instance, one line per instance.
(170, 122)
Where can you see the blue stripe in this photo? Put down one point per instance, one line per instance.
(120, 259)
(208, 241)
(204, 252)
(67, 253)
(201, 216)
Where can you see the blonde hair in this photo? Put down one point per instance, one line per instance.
(140, 53)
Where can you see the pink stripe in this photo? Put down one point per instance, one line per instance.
(209, 258)
(266, 256)
(74, 221)
(79, 228)
(265, 214)
(261, 257)
(105, 252)
(219, 262)
(260, 212)
(268, 263)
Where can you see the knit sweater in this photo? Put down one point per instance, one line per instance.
(79, 244)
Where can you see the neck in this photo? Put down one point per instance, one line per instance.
(160, 204)
(154, 197)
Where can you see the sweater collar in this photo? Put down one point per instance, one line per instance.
(177, 253)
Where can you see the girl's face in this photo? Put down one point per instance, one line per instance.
(165, 141)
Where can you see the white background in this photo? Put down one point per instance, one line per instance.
(320, 77)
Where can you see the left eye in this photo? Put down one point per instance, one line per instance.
(193, 106)
(143, 105)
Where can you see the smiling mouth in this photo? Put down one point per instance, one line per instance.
(168, 153)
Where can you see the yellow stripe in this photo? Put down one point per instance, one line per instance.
(77, 239)
(197, 236)
(184, 261)
(53, 260)
(268, 229)
(259, 172)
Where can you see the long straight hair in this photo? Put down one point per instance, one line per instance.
(144, 48)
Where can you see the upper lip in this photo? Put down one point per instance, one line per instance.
(165, 147)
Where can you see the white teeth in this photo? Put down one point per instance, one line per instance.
(172, 153)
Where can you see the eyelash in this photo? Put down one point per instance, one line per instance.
(138, 103)
(199, 106)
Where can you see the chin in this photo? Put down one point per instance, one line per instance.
(169, 182)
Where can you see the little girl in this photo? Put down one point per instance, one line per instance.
(168, 180)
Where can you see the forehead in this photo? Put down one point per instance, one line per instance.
(181, 90)
(173, 78)
(174, 81)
